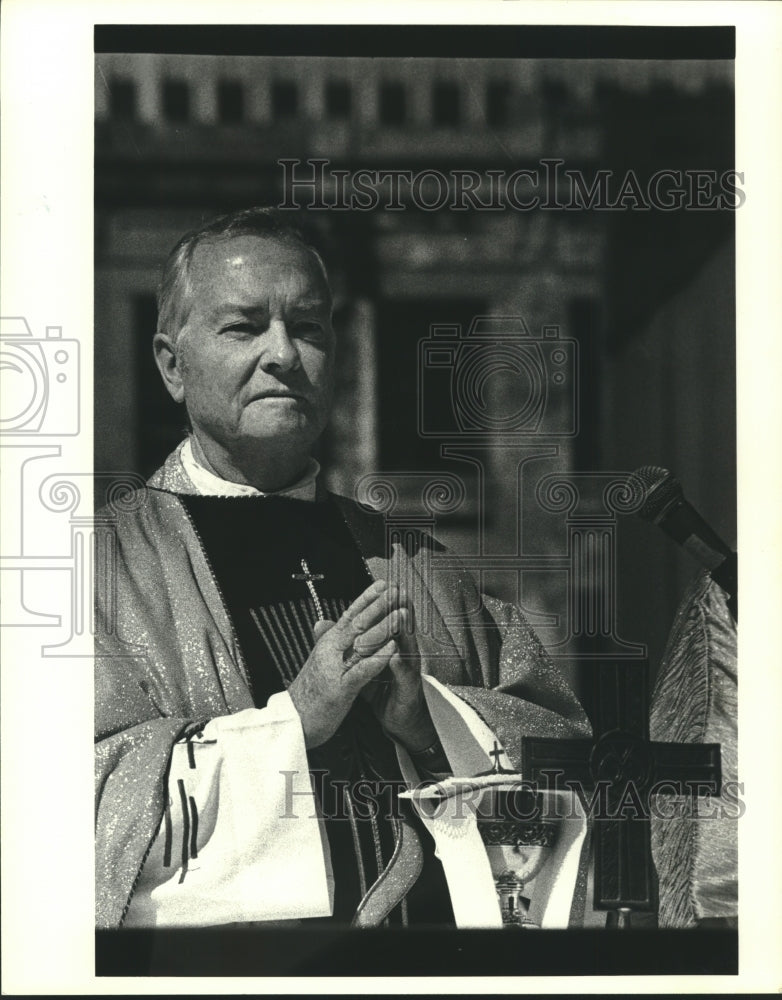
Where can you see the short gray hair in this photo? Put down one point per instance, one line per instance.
(174, 288)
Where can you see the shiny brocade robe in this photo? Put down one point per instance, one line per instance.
(168, 660)
(696, 701)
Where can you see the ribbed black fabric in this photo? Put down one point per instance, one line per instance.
(255, 546)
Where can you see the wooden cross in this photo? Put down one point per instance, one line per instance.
(309, 579)
(626, 765)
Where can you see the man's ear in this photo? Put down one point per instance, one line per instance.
(166, 358)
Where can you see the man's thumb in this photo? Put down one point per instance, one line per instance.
(320, 628)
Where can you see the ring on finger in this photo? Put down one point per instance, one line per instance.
(352, 658)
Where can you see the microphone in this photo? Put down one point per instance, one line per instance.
(664, 505)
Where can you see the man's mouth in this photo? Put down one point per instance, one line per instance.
(277, 395)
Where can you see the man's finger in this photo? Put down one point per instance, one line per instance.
(370, 666)
(406, 602)
(372, 615)
(373, 638)
(373, 591)
(320, 628)
(406, 639)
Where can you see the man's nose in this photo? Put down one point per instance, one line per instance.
(278, 350)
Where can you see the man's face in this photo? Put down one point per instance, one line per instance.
(256, 355)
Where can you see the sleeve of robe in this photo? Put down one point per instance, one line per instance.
(218, 858)
(180, 837)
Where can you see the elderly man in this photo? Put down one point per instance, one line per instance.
(266, 694)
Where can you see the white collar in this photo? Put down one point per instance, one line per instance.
(208, 484)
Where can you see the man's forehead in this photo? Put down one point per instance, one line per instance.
(237, 254)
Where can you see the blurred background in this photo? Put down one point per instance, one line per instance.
(647, 296)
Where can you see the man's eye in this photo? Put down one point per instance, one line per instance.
(307, 328)
(238, 328)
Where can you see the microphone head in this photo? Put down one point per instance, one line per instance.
(660, 490)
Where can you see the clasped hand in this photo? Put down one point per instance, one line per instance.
(374, 636)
